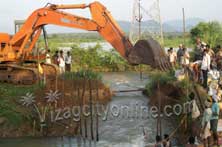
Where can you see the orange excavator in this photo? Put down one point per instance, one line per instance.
(18, 61)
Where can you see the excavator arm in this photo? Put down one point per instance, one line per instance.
(144, 52)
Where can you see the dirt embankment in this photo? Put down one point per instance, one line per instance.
(167, 94)
(56, 109)
(173, 94)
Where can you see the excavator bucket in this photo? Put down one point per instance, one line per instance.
(149, 52)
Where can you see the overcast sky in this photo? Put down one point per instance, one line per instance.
(120, 9)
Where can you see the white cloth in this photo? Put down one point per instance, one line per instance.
(195, 110)
(216, 97)
(68, 59)
(48, 59)
(212, 91)
(186, 58)
(172, 57)
(214, 74)
(206, 62)
(179, 72)
(206, 119)
(61, 62)
(197, 62)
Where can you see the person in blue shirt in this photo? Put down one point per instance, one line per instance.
(214, 120)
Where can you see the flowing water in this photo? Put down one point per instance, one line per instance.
(127, 129)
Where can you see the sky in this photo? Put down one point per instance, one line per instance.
(208, 10)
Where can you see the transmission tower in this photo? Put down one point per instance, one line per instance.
(146, 12)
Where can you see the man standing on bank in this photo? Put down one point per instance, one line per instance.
(68, 61)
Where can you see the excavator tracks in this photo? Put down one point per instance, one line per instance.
(51, 71)
(25, 75)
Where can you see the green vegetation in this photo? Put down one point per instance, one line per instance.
(9, 108)
(67, 40)
(97, 59)
(82, 74)
(173, 40)
(210, 32)
(165, 78)
(24, 105)
(160, 78)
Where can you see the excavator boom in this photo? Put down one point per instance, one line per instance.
(19, 48)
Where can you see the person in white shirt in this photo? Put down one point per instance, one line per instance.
(61, 62)
(180, 54)
(213, 79)
(195, 114)
(68, 61)
(186, 57)
(205, 124)
(205, 67)
(186, 60)
(214, 74)
(48, 57)
(172, 57)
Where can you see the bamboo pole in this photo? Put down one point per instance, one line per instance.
(139, 20)
(159, 125)
(80, 121)
(91, 109)
(84, 102)
(184, 26)
(161, 24)
(97, 115)
(133, 90)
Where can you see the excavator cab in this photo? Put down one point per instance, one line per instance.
(4, 39)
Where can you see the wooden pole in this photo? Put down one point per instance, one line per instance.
(85, 118)
(159, 126)
(184, 26)
(15, 28)
(97, 115)
(84, 102)
(139, 20)
(80, 101)
(132, 90)
(161, 25)
(91, 108)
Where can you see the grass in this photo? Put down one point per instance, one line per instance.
(60, 40)
(82, 74)
(9, 103)
(163, 78)
(174, 41)
(14, 91)
(11, 108)
(160, 78)
(97, 59)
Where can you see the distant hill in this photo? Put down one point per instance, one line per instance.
(177, 25)
(168, 26)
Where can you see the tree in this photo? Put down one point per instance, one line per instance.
(210, 32)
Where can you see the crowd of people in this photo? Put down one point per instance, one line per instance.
(205, 67)
(64, 62)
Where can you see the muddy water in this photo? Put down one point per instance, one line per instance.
(123, 130)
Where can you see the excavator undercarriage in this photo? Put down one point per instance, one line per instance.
(27, 74)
